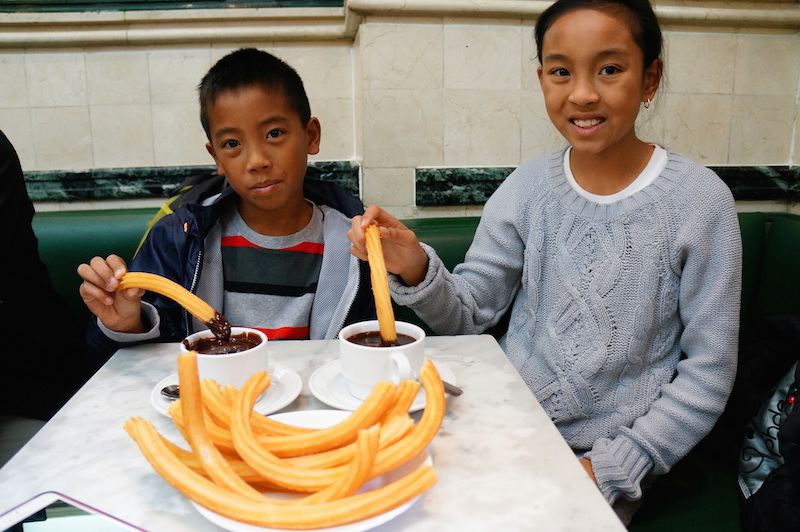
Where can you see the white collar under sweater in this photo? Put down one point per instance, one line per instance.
(657, 163)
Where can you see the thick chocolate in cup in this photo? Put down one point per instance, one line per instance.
(232, 369)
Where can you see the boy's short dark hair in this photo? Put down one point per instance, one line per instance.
(248, 67)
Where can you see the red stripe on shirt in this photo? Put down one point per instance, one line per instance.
(285, 332)
(242, 242)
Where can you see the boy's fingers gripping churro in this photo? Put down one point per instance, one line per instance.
(380, 284)
(193, 304)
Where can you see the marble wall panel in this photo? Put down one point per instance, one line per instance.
(767, 65)
(122, 136)
(175, 74)
(178, 137)
(483, 56)
(762, 129)
(699, 63)
(56, 79)
(402, 57)
(62, 138)
(117, 78)
(13, 87)
(697, 125)
(481, 127)
(326, 68)
(402, 128)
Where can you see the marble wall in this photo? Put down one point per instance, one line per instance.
(398, 86)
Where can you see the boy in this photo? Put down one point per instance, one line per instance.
(269, 252)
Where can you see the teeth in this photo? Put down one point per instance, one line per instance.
(587, 123)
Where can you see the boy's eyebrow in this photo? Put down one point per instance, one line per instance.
(275, 119)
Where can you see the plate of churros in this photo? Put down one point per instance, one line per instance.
(361, 470)
(286, 385)
(318, 419)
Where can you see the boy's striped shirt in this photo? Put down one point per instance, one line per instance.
(270, 282)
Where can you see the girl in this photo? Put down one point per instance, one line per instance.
(620, 261)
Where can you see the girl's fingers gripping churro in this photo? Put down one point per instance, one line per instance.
(380, 285)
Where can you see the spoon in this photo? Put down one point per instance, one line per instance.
(452, 389)
(171, 392)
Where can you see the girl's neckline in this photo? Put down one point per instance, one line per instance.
(654, 167)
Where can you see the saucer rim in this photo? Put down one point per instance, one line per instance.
(282, 372)
(351, 402)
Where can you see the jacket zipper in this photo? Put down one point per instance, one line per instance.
(186, 317)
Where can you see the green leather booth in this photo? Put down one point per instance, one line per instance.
(699, 494)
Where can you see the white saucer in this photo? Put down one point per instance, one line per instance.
(322, 419)
(285, 387)
(329, 386)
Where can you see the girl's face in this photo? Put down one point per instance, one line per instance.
(593, 81)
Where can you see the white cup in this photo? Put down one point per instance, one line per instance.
(232, 369)
(365, 366)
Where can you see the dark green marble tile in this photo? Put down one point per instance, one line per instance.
(457, 186)
(156, 182)
(762, 182)
(438, 187)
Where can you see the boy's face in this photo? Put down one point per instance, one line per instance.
(261, 146)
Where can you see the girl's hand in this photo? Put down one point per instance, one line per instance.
(120, 311)
(401, 250)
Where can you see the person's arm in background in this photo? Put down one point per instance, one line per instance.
(29, 306)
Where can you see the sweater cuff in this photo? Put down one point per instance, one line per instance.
(619, 466)
(149, 315)
(408, 295)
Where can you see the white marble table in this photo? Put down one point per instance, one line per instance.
(501, 463)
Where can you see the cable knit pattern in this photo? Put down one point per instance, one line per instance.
(605, 300)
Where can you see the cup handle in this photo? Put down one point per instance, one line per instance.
(401, 369)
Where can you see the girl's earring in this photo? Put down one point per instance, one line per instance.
(647, 103)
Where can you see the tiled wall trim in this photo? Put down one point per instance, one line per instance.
(447, 187)
(138, 183)
(435, 187)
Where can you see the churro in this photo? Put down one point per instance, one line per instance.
(193, 304)
(380, 285)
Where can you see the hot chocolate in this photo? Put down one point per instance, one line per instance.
(373, 339)
(217, 346)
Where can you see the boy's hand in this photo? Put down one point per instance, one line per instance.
(120, 311)
(401, 250)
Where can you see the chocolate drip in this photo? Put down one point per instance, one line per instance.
(220, 326)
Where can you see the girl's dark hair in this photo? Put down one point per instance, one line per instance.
(249, 67)
(639, 14)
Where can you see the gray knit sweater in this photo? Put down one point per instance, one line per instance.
(624, 317)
